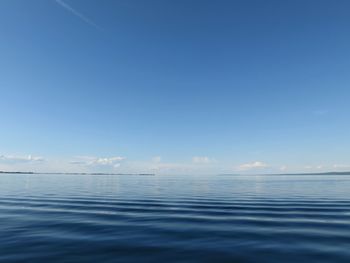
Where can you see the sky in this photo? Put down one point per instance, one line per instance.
(175, 86)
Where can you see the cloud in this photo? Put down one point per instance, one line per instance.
(316, 167)
(157, 165)
(341, 166)
(170, 167)
(253, 165)
(283, 168)
(98, 161)
(21, 159)
(77, 14)
(195, 165)
(116, 165)
(77, 162)
(156, 159)
(202, 160)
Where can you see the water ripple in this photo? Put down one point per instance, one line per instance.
(121, 220)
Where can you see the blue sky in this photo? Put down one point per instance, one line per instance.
(186, 86)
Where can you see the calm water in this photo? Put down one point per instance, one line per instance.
(66, 218)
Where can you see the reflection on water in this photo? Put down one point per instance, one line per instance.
(83, 218)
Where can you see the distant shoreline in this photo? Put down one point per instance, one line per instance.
(152, 174)
(16, 172)
(324, 173)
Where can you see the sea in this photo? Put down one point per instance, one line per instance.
(182, 218)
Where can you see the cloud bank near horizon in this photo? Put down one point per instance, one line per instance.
(156, 164)
(253, 165)
(98, 161)
(21, 159)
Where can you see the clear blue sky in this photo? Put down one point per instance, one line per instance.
(175, 85)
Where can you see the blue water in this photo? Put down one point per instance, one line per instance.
(85, 218)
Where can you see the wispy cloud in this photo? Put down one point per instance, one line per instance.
(21, 159)
(252, 165)
(283, 168)
(314, 167)
(78, 14)
(163, 167)
(98, 161)
(202, 160)
(341, 166)
(158, 165)
(156, 159)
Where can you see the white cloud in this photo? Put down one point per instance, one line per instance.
(157, 165)
(341, 166)
(253, 165)
(21, 159)
(316, 167)
(98, 161)
(283, 168)
(168, 167)
(156, 159)
(202, 160)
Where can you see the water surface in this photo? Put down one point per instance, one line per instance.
(97, 218)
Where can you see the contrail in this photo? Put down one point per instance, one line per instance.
(78, 14)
